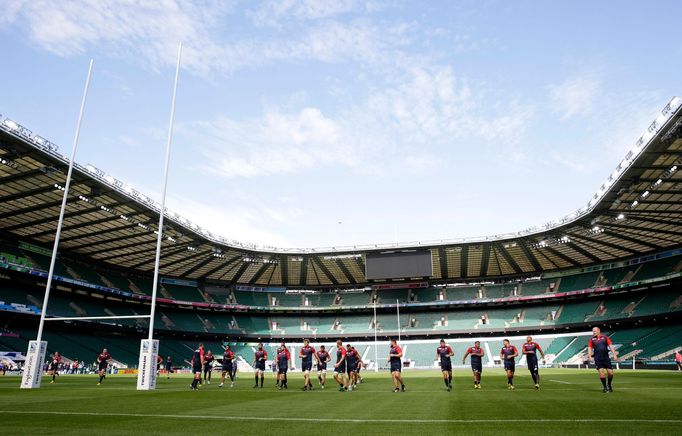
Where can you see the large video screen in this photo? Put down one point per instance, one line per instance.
(398, 265)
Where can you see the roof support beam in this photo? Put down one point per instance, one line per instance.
(485, 260)
(531, 257)
(464, 262)
(344, 270)
(260, 272)
(326, 271)
(221, 266)
(604, 243)
(510, 260)
(443, 260)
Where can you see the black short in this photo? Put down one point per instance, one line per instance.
(396, 367)
(603, 363)
(53, 367)
(196, 368)
(509, 365)
(227, 367)
(260, 366)
(532, 364)
(446, 366)
(321, 366)
(477, 367)
(306, 366)
(103, 366)
(168, 368)
(341, 368)
(351, 367)
(282, 369)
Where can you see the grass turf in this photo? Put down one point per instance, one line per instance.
(569, 402)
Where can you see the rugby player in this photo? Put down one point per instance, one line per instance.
(358, 366)
(259, 359)
(208, 366)
(394, 358)
(307, 353)
(598, 352)
(228, 356)
(103, 362)
(351, 365)
(197, 365)
(476, 353)
(53, 368)
(322, 357)
(340, 366)
(159, 362)
(283, 359)
(529, 349)
(507, 355)
(169, 366)
(444, 353)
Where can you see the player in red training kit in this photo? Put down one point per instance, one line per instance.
(103, 362)
(53, 368)
(395, 356)
(444, 353)
(529, 349)
(507, 355)
(598, 351)
(476, 353)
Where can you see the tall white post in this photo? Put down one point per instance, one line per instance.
(149, 349)
(376, 343)
(397, 308)
(35, 356)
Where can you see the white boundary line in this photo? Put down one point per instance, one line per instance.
(343, 420)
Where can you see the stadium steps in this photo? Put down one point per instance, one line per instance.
(557, 346)
(659, 268)
(578, 281)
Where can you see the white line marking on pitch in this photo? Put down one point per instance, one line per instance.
(559, 381)
(343, 420)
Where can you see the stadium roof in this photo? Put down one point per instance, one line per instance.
(638, 210)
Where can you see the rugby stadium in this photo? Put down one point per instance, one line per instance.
(614, 264)
(261, 290)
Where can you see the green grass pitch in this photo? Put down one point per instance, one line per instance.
(569, 402)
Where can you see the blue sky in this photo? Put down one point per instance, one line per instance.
(326, 123)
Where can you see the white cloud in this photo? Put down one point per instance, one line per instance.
(148, 33)
(278, 12)
(399, 127)
(575, 96)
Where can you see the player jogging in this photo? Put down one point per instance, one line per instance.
(283, 358)
(197, 365)
(306, 354)
(444, 353)
(322, 358)
(476, 353)
(529, 349)
(53, 367)
(351, 365)
(356, 370)
(228, 356)
(208, 366)
(394, 359)
(678, 360)
(340, 366)
(169, 366)
(103, 362)
(159, 362)
(598, 351)
(507, 355)
(259, 358)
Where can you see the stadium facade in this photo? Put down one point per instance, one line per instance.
(615, 263)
